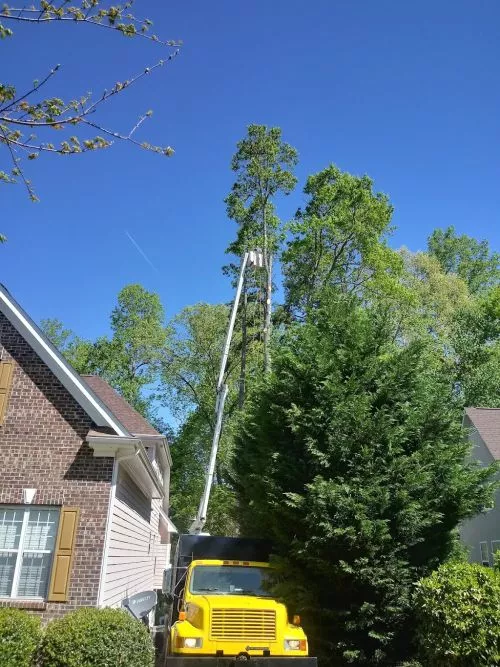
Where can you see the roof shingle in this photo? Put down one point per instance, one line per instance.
(125, 413)
(487, 423)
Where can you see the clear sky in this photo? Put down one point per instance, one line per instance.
(408, 92)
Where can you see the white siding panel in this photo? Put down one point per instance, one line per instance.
(134, 546)
(162, 556)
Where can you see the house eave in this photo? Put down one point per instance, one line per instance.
(131, 453)
(158, 440)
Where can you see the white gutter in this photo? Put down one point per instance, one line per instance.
(125, 448)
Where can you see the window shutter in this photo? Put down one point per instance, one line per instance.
(6, 372)
(63, 555)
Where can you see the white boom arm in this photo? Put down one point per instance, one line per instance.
(253, 258)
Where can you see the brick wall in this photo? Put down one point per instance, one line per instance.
(42, 446)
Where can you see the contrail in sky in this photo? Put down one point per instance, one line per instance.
(141, 251)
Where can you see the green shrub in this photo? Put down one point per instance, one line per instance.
(458, 613)
(97, 638)
(20, 636)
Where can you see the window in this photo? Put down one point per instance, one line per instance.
(27, 541)
(495, 546)
(229, 580)
(485, 558)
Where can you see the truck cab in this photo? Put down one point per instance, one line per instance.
(224, 608)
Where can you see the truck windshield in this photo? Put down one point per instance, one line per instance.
(229, 580)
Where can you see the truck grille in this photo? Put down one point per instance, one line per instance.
(246, 624)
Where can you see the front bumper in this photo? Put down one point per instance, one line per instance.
(227, 661)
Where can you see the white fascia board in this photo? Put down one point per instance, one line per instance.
(144, 458)
(161, 444)
(130, 451)
(169, 522)
(111, 446)
(66, 375)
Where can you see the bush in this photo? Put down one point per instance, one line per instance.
(97, 638)
(20, 636)
(458, 613)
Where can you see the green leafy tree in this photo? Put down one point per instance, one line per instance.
(130, 359)
(263, 165)
(339, 240)
(351, 458)
(188, 388)
(467, 257)
(465, 325)
(190, 455)
(435, 298)
(192, 360)
(28, 119)
(475, 344)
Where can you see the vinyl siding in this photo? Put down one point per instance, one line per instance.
(136, 558)
(483, 527)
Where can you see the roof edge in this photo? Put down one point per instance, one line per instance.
(65, 373)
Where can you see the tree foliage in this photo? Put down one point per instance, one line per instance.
(188, 386)
(458, 614)
(470, 259)
(131, 357)
(352, 459)
(476, 350)
(339, 239)
(28, 120)
(264, 166)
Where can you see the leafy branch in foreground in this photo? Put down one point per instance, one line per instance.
(23, 116)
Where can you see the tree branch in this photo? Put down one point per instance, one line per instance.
(26, 14)
(30, 92)
(18, 171)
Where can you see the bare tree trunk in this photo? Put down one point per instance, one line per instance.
(268, 314)
(244, 344)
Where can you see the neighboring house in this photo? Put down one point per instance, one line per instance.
(84, 482)
(482, 533)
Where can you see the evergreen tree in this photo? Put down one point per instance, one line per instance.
(351, 458)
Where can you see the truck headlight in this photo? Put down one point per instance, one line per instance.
(189, 642)
(295, 644)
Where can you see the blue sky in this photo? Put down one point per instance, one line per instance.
(407, 92)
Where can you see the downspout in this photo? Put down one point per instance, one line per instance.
(109, 519)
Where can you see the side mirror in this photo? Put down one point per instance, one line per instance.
(169, 598)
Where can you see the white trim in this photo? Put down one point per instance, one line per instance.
(20, 552)
(494, 549)
(107, 535)
(68, 377)
(484, 561)
(157, 439)
(111, 445)
(171, 526)
(126, 449)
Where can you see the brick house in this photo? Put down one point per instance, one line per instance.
(84, 482)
